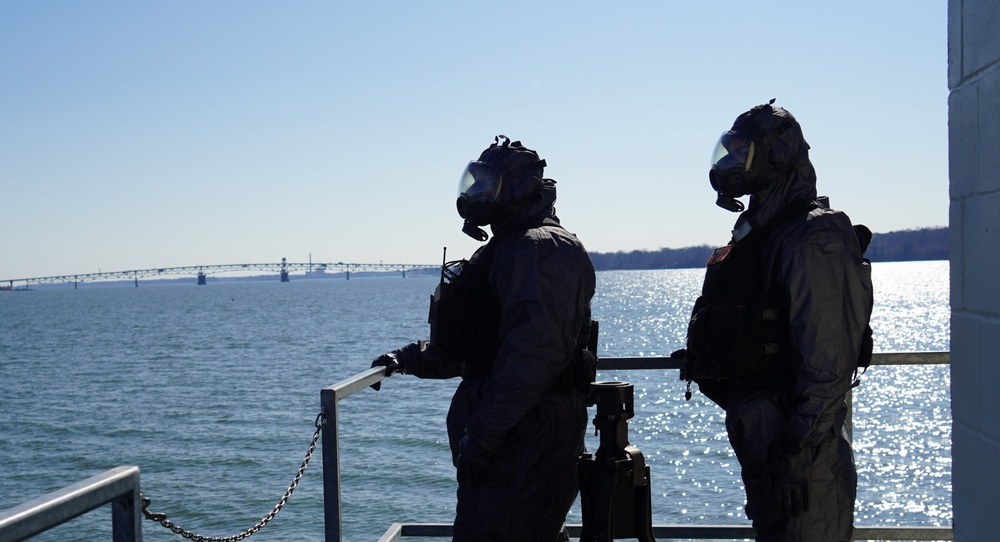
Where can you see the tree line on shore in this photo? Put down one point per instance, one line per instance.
(897, 246)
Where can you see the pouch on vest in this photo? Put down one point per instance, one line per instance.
(582, 369)
(730, 338)
(464, 312)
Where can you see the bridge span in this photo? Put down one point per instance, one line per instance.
(281, 270)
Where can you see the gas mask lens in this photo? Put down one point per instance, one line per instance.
(480, 184)
(733, 151)
(731, 162)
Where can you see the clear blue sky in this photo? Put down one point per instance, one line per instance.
(157, 134)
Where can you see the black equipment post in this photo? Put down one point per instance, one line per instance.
(614, 482)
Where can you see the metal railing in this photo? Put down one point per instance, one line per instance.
(398, 531)
(118, 486)
(330, 398)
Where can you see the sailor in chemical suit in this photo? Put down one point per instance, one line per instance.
(513, 322)
(777, 334)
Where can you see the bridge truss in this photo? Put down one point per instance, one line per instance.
(282, 270)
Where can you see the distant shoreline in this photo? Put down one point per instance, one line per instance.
(898, 246)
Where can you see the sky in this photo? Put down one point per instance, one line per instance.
(137, 135)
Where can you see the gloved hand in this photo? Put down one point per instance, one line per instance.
(402, 360)
(680, 354)
(473, 459)
(788, 466)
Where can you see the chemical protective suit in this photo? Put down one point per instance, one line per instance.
(776, 336)
(513, 322)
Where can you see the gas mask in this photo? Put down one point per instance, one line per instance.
(479, 191)
(505, 175)
(735, 169)
(751, 155)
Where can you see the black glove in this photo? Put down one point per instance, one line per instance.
(680, 354)
(788, 466)
(402, 360)
(473, 459)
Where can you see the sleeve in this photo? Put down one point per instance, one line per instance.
(543, 282)
(829, 306)
(434, 364)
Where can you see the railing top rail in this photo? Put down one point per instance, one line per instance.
(51, 509)
(694, 531)
(666, 362)
(332, 395)
(351, 385)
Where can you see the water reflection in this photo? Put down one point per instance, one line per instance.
(902, 414)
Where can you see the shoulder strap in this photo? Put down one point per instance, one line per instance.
(793, 210)
(864, 236)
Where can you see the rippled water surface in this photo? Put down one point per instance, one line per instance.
(213, 390)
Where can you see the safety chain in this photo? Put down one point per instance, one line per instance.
(162, 518)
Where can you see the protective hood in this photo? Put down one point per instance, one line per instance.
(500, 188)
(785, 174)
(762, 146)
(538, 212)
(799, 184)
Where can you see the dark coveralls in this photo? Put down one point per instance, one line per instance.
(814, 262)
(522, 407)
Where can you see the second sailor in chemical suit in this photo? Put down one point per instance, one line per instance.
(513, 321)
(777, 334)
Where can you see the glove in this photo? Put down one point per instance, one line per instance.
(788, 466)
(402, 360)
(680, 354)
(473, 459)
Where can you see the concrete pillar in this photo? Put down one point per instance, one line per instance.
(974, 171)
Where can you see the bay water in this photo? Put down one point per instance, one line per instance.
(213, 392)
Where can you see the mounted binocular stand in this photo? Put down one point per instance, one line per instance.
(614, 482)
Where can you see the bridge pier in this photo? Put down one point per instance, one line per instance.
(284, 270)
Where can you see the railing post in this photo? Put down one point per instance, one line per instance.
(126, 518)
(330, 399)
(331, 467)
(118, 486)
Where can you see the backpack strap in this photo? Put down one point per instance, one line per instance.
(864, 236)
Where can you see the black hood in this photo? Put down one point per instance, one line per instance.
(792, 176)
(532, 214)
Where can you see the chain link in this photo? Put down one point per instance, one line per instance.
(162, 518)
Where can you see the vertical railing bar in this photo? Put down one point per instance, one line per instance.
(126, 519)
(329, 401)
(331, 467)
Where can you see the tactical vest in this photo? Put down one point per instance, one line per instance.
(737, 328)
(465, 314)
(465, 311)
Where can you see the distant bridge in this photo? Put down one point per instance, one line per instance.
(282, 270)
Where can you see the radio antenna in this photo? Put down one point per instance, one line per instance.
(444, 262)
